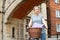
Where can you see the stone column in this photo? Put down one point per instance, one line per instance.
(0, 26)
(1, 19)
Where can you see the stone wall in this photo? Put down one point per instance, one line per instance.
(10, 5)
(0, 20)
(19, 30)
(0, 26)
(1, 5)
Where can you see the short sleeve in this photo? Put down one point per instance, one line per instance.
(31, 17)
(42, 16)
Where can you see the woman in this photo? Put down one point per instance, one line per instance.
(37, 20)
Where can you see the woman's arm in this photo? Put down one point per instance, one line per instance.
(44, 22)
(30, 23)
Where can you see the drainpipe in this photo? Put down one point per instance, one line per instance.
(3, 13)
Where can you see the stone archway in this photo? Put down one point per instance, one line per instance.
(22, 10)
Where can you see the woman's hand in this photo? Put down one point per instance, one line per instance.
(30, 23)
(28, 27)
(46, 28)
(44, 23)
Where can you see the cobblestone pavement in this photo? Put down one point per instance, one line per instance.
(52, 39)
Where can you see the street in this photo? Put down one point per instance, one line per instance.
(52, 39)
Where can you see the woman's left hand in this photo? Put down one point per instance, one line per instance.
(46, 28)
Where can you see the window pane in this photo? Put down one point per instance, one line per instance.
(57, 13)
(56, 1)
(58, 27)
(13, 30)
